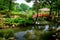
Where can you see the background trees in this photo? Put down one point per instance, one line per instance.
(6, 4)
(24, 7)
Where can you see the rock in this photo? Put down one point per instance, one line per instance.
(12, 38)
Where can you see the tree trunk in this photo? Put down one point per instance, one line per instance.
(10, 6)
(36, 3)
(50, 9)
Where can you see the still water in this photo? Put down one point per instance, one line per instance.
(20, 35)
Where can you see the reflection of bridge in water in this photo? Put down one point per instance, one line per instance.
(48, 24)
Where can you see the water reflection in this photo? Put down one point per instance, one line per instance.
(58, 26)
(20, 35)
(46, 27)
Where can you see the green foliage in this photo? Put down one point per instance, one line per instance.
(28, 0)
(27, 21)
(23, 21)
(1, 33)
(45, 35)
(1, 4)
(8, 20)
(9, 33)
(24, 7)
(39, 35)
(6, 4)
(6, 33)
(1, 38)
(18, 21)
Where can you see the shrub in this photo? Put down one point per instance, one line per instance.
(9, 20)
(18, 21)
(1, 33)
(6, 33)
(45, 35)
(9, 33)
(27, 21)
(1, 38)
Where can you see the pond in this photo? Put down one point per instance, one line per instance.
(20, 35)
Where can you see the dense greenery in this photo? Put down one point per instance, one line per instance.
(18, 21)
(40, 35)
(15, 15)
(6, 34)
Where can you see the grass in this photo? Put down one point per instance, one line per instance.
(17, 29)
(13, 29)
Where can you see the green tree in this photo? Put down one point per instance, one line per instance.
(36, 8)
(24, 7)
(6, 4)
